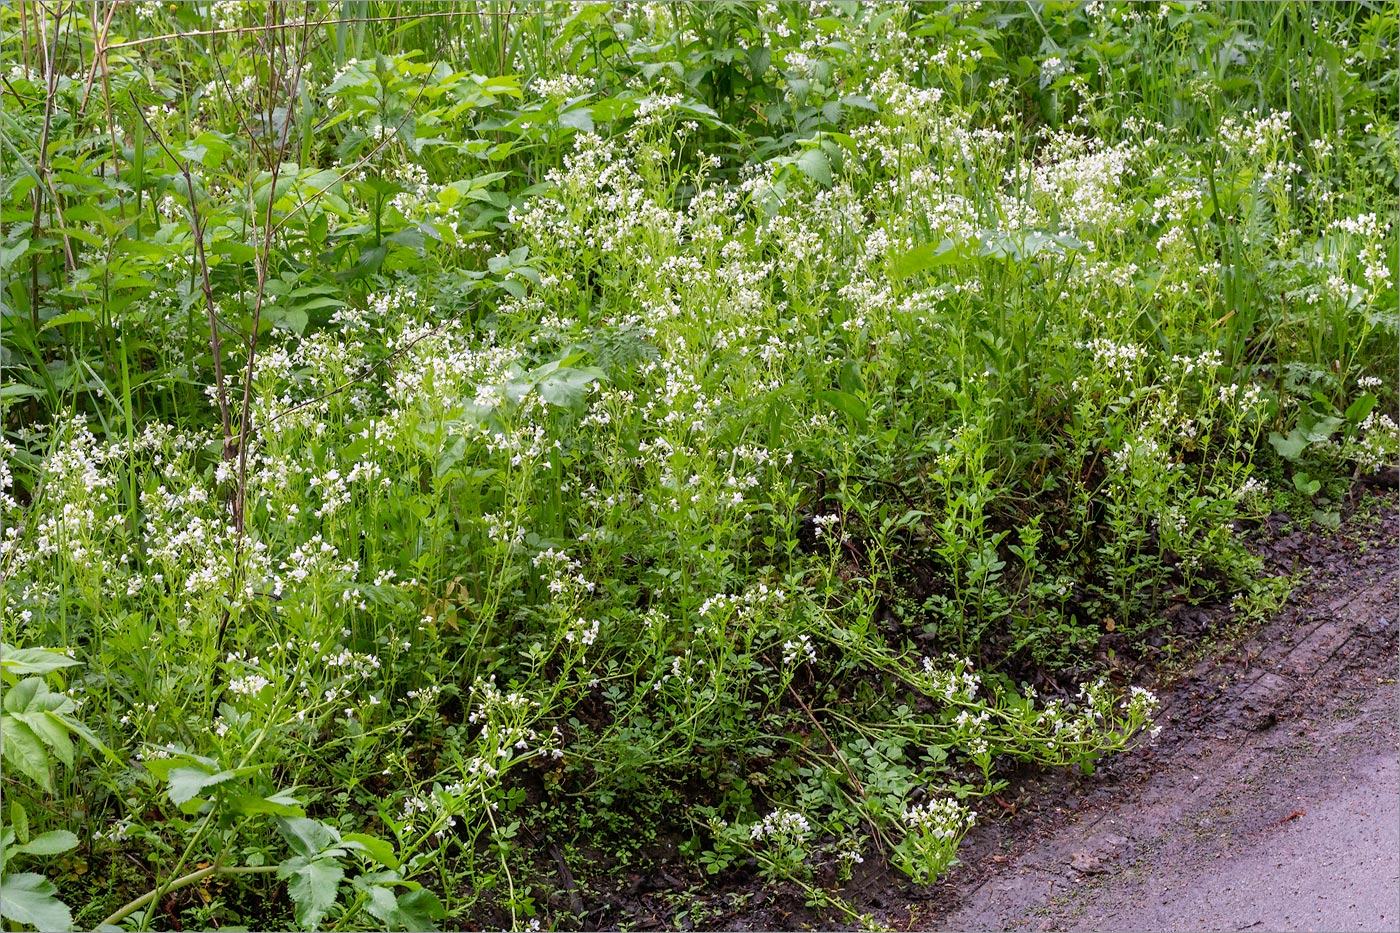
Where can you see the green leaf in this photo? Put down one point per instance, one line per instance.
(1323, 428)
(568, 386)
(18, 390)
(52, 731)
(312, 884)
(1358, 410)
(1290, 447)
(11, 254)
(19, 819)
(29, 899)
(419, 909)
(1306, 484)
(378, 849)
(928, 256)
(50, 843)
(76, 316)
(307, 837)
(23, 750)
(813, 163)
(278, 805)
(34, 660)
(186, 782)
(580, 118)
(382, 903)
(844, 402)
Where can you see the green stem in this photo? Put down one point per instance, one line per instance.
(182, 882)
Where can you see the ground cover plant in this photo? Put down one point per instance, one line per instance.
(453, 450)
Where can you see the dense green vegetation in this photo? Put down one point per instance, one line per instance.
(445, 444)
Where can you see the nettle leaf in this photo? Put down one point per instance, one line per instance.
(29, 899)
(312, 884)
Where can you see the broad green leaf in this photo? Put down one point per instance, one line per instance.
(186, 782)
(76, 316)
(18, 390)
(1358, 410)
(11, 254)
(34, 660)
(29, 899)
(24, 750)
(813, 163)
(419, 909)
(312, 884)
(567, 387)
(1323, 428)
(307, 837)
(52, 730)
(382, 903)
(580, 118)
(844, 402)
(378, 849)
(50, 843)
(1290, 447)
(928, 256)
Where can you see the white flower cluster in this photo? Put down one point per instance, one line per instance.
(782, 826)
(943, 819)
(799, 649)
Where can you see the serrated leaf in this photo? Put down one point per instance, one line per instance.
(567, 386)
(52, 730)
(21, 696)
(29, 899)
(580, 118)
(312, 884)
(417, 910)
(382, 903)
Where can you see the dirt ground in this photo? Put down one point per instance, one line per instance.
(1270, 800)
